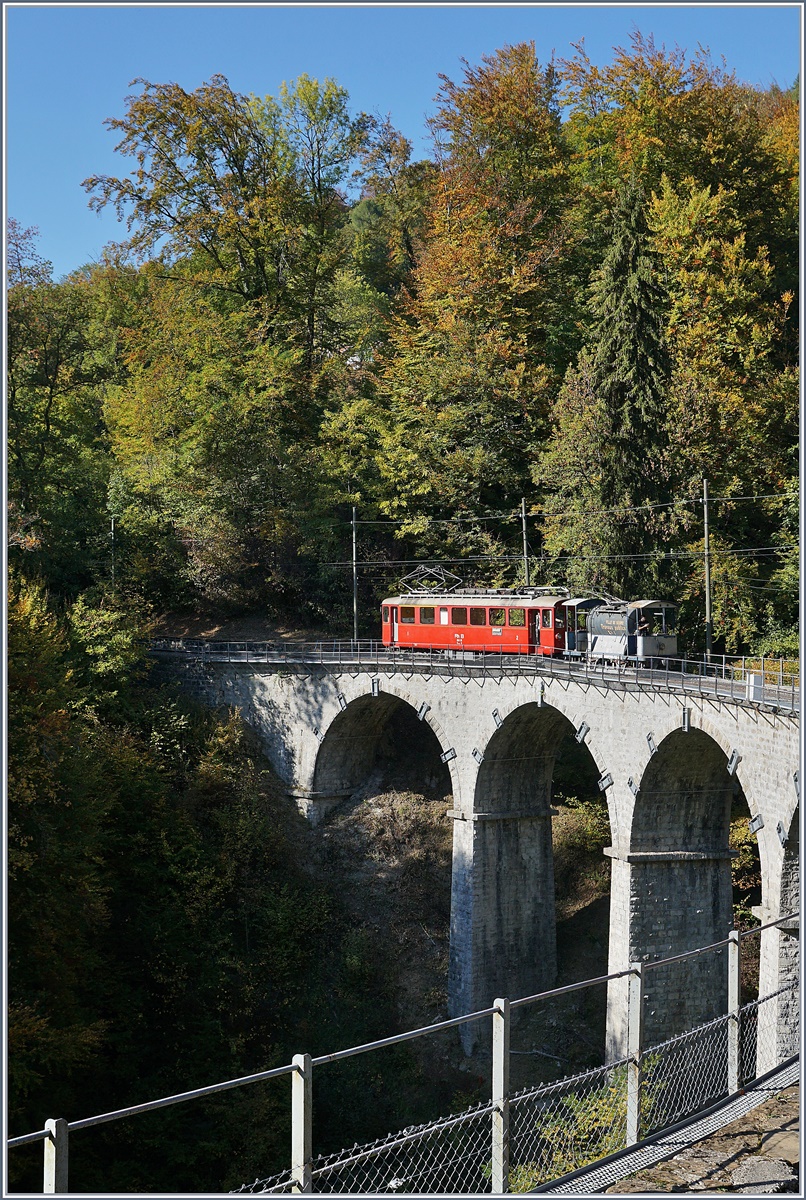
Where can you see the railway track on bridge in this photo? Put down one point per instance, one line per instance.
(735, 680)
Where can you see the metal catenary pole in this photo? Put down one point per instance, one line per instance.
(708, 621)
(525, 543)
(355, 584)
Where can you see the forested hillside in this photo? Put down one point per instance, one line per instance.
(585, 296)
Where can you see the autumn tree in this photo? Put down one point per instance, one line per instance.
(58, 363)
(248, 301)
(615, 399)
(245, 190)
(653, 112)
(727, 388)
(211, 172)
(388, 223)
(472, 354)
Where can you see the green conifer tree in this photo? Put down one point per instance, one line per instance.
(630, 380)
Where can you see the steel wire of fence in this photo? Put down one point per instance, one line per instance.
(553, 1128)
(450, 1155)
(759, 1033)
(558, 1127)
(684, 1074)
(453, 1154)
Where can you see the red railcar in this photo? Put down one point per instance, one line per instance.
(528, 621)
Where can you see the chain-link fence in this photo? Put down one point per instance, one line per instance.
(548, 1129)
(450, 1155)
(553, 1128)
(760, 1030)
(683, 1075)
(566, 1125)
(521, 1137)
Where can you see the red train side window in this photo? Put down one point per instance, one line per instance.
(426, 616)
(458, 616)
(498, 616)
(386, 614)
(478, 616)
(546, 618)
(406, 614)
(517, 616)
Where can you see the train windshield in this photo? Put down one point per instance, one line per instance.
(660, 621)
(669, 620)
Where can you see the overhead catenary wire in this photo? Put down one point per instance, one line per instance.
(515, 514)
(657, 555)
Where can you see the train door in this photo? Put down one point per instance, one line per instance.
(394, 625)
(559, 628)
(570, 629)
(534, 630)
(547, 631)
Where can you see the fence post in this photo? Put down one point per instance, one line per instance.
(635, 1022)
(55, 1180)
(301, 1124)
(734, 1011)
(500, 1097)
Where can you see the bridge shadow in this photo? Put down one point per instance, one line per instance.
(380, 737)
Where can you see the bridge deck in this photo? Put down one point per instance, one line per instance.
(724, 678)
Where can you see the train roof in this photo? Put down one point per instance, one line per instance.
(491, 596)
(620, 605)
(535, 596)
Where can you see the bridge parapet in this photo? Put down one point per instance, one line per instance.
(757, 683)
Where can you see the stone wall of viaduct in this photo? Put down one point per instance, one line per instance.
(669, 760)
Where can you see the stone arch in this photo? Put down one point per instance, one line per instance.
(743, 775)
(503, 931)
(515, 774)
(684, 796)
(349, 748)
(680, 879)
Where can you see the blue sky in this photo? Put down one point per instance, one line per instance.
(69, 67)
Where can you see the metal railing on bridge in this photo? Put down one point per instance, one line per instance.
(518, 1138)
(771, 682)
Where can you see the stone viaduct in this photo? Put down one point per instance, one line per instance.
(669, 763)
